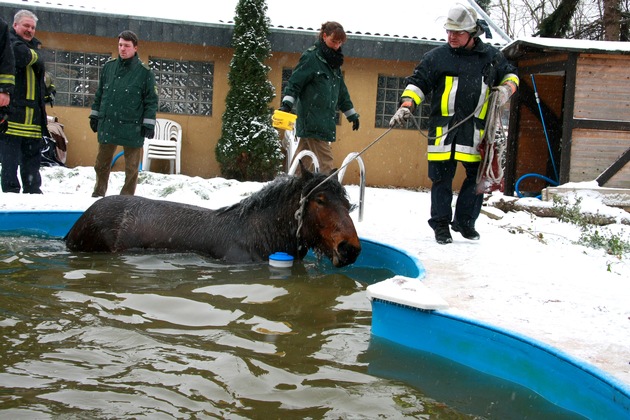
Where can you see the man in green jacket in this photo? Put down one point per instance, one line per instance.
(123, 113)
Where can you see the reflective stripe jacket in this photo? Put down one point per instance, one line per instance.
(126, 99)
(7, 61)
(459, 81)
(319, 91)
(27, 111)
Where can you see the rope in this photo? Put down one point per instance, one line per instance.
(492, 146)
(300, 211)
(454, 126)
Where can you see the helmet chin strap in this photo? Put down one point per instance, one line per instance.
(470, 38)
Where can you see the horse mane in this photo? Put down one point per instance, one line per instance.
(257, 216)
(284, 189)
(280, 190)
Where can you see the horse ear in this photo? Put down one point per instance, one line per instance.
(306, 174)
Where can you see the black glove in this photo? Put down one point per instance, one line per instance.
(94, 124)
(147, 132)
(4, 120)
(355, 125)
(285, 107)
(50, 95)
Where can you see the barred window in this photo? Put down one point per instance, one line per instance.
(184, 87)
(387, 101)
(75, 75)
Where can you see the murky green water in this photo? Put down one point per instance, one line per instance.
(178, 336)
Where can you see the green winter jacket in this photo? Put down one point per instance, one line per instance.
(319, 91)
(126, 100)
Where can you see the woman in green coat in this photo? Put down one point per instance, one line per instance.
(317, 89)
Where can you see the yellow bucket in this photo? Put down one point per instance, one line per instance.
(283, 120)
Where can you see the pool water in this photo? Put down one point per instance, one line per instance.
(178, 335)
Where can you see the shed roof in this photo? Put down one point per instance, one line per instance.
(522, 46)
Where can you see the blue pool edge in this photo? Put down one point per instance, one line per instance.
(558, 377)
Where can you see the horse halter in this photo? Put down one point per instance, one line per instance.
(299, 216)
(299, 213)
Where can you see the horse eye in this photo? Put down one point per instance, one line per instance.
(320, 200)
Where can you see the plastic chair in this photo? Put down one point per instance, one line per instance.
(166, 144)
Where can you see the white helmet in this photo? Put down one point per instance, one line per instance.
(462, 18)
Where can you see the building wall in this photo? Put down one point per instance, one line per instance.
(601, 98)
(532, 148)
(398, 159)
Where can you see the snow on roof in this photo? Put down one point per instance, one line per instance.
(581, 45)
(421, 19)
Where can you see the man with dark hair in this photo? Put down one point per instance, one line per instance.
(123, 113)
(22, 142)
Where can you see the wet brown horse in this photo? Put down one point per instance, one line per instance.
(248, 231)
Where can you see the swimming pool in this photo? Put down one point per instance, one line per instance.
(412, 321)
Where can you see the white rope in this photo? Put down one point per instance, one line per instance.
(494, 149)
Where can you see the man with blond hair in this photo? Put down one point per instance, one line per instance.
(22, 142)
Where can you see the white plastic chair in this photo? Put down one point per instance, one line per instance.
(166, 144)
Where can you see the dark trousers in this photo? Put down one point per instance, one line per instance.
(468, 205)
(26, 153)
(103, 167)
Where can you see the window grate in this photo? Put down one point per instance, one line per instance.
(388, 94)
(75, 74)
(184, 87)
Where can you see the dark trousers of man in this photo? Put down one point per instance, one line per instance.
(468, 204)
(26, 153)
(103, 167)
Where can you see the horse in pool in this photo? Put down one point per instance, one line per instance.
(291, 214)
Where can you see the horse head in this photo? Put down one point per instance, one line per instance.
(326, 226)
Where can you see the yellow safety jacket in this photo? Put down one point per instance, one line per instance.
(459, 82)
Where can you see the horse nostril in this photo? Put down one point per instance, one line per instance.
(348, 252)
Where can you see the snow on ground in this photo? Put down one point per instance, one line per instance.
(526, 274)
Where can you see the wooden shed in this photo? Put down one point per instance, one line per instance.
(570, 120)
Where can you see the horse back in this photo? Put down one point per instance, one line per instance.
(120, 222)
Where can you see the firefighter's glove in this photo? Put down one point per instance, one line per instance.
(4, 120)
(148, 132)
(50, 95)
(401, 116)
(94, 124)
(503, 92)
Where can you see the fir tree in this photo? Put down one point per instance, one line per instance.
(249, 148)
(558, 24)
